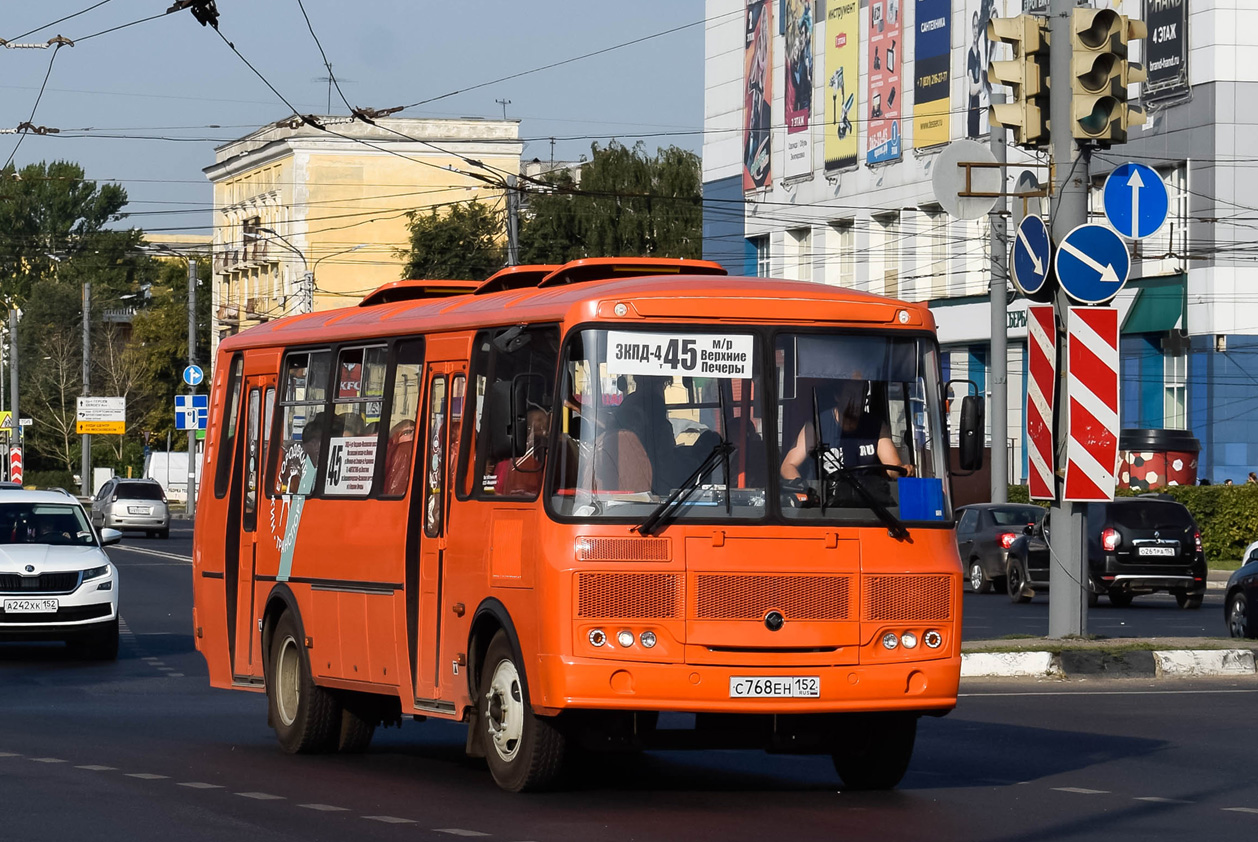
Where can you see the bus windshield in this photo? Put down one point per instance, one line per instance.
(643, 413)
(644, 410)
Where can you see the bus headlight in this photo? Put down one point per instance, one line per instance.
(909, 640)
(647, 638)
(598, 637)
(625, 639)
(890, 641)
(932, 639)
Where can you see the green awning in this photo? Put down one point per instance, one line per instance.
(1161, 305)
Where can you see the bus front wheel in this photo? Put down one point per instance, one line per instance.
(306, 717)
(524, 751)
(874, 752)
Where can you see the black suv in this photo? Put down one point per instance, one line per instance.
(1136, 545)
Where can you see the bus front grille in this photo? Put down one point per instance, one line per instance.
(907, 598)
(731, 596)
(624, 549)
(630, 596)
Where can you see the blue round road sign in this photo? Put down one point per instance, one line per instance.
(1092, 264)
(1136, 201)
(193, 375)
(1030, 261)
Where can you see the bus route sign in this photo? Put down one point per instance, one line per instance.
(687, 354)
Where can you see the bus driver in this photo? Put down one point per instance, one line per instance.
(853, 436)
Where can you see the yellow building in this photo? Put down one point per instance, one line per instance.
(312, 219)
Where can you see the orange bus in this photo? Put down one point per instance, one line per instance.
(563, 502)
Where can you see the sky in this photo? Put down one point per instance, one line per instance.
(155, 98)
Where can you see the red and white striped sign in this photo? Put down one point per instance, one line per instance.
(1092, 413)
(15, 464)
(1040, 389)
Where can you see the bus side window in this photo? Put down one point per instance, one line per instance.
(529, 358)
(303, 420)
(404, 403)
(357, 398)
(227, 438)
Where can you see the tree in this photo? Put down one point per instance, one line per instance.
(628, 203)
(464, 242)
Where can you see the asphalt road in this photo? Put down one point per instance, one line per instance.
(143, 749)
(992, 616)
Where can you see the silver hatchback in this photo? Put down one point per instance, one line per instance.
(133, 505)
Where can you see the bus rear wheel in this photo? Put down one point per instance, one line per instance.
(525, 752)
(306, 717)
(875, 749)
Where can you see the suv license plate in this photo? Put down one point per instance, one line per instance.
(139, 510)
(1157, 551)
(774, 687)
(30, 606)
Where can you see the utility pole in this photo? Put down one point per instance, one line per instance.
(504, 103)
(1068, 609)
(513, 221)
(999, 304)
(192, 360)
(85, 487)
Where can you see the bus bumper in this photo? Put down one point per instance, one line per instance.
(588, 684)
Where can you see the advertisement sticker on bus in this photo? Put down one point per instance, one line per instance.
(700, 354)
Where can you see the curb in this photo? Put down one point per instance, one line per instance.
(1170, 663)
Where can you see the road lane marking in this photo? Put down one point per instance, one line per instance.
(324, 808)
(94, 768)
(1240, 809)
(9, 754)
(157, 553)
(389, 819)
(260, 796)
(458, 831)
(148, 776)
(174, 675)
(199, 785)
(47, 760)
(1078, 790)
(1157, 799)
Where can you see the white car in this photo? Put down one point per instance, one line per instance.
(56, 583)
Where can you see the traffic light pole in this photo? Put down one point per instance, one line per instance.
(999, 303)
(1068, 606)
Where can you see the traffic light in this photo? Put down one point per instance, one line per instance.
(1100, 74)
(1026, 74)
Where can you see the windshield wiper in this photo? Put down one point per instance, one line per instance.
(662, 514)
(894, 525)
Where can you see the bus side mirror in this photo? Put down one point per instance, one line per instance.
(971, 433)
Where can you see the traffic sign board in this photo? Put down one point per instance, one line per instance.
(1031, 252)
(1092, 264)
(193, 375)
(101, 415)
(1136, 202)
(192, 412)
(1092, 413)
(1041, 385)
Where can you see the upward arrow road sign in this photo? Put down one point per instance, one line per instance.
(1136, 202)
(193, 375)
(1092, 264)
(1030, 260)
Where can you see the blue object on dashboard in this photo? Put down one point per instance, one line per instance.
(921, 498)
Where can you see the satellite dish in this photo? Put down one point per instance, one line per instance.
(949, 177)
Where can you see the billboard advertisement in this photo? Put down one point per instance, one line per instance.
(798, 101)
(842, 69)
(758, 95)
(886, 49)
(1166, 50)
(932, 79)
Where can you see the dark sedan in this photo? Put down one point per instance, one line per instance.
(1136, 545)
(985, 531)
(1242, 594)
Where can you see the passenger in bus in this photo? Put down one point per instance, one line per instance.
(397, 458)
(644, 413)
(854, 437)
(311, 442)
(522, 476)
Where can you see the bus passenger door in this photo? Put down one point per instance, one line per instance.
(443, 406)
(259, 404)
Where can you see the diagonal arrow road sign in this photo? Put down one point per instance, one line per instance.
(1108, 275)
(1036, 263)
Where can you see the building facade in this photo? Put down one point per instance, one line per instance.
(823, 121)
(311, 219)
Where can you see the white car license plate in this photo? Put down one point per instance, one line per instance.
(139, 510)
(30, 606)
(774, 687)
(1157, 551)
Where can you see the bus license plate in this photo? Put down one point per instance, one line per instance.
(774, 687)
(1157, 551)
(30, 606)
